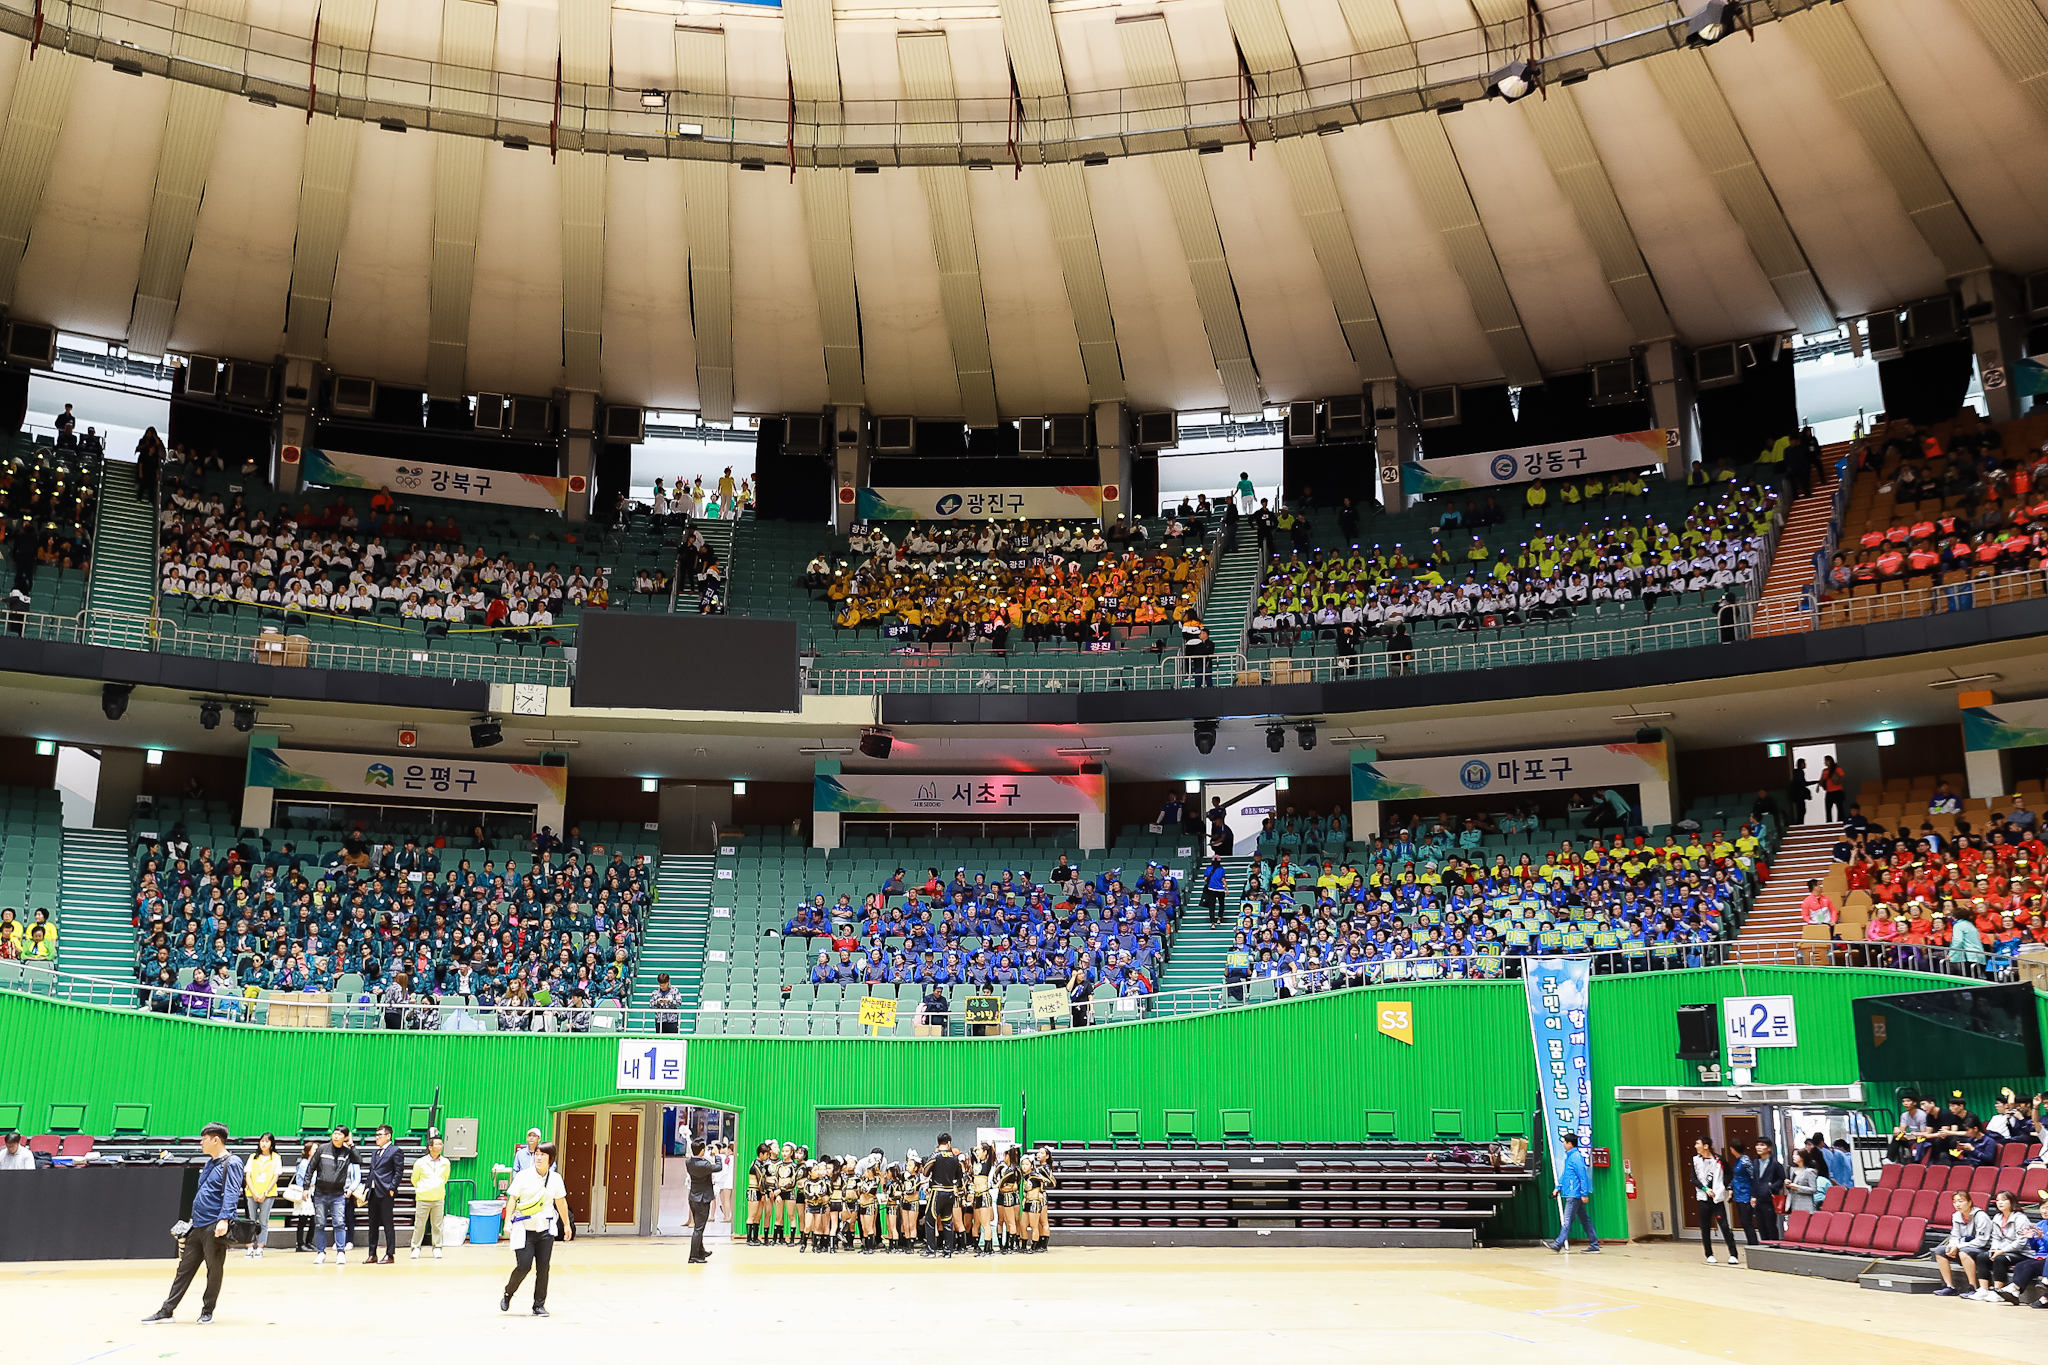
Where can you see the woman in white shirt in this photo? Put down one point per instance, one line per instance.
(1710, 1189)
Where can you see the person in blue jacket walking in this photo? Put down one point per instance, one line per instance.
(1214, 885)
(1574, 1189)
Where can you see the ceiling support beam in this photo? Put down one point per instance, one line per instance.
(1150, 62)
(707, 215)
(342, 61)
(1830, 37)
(469, 44)
(1042, 82)
(927, 67)
(812, 47)
(28, 148)
(209, 32)
(1703, 114)
(2017, 33)
(585, 30)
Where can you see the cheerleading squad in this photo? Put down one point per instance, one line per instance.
(981, 1203)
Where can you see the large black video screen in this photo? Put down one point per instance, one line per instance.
(686, 663)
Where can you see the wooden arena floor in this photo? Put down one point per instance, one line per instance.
(613, 1297)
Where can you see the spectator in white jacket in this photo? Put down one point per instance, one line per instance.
(1710, 1188)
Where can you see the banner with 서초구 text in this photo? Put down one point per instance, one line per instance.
(1524, 464)
(338, 469)
(1061, 503)
(1564, 1071)
(960, 794)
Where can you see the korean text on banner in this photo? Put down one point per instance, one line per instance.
(1558, 769)
(1761, 1020)
(652, 1063)
(403, 478)
(877, 1011)
(1524, 464)
(1001, 793)
(1564, 1073)
(1064, 503)
(1048, 1002)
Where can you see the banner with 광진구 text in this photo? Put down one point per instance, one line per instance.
(960, 794)
(337, 469)
(408, 777)
(1061, 503)
(1564, 1069)
(1559, 769)
(1524, 464)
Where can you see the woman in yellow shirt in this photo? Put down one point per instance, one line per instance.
(259, 1185)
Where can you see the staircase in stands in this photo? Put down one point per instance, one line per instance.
(1805, 854)
(123, 577)
(98, 919)
(1804, 535)
(676, 932)
(1198, 950)
(1229, 608)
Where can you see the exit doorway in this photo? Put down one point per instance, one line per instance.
(1858, 757)
(606, 1151)
(681, 1125)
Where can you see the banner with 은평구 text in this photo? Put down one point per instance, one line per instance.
(1057, 503)
(410, 777)
(1564, 1067)
(1525, 464)
(339, 469)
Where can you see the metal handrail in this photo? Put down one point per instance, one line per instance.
(417, 91)
(322, 1010)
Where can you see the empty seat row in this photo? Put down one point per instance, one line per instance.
(1866, 1234)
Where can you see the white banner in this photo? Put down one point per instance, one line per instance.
(1246, 805)
(414, 778)
(1548, 769)
(960, 794)
(1524, 464)
(338, 469)
(1061, 503)
(1761, 1020)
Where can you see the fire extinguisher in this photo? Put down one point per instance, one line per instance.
(1629, 1175)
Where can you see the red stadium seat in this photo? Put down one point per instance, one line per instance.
(1852, 1201)
(1795, 1227)
(1862, 1231)
(1952, 1178)
(1912, 1232)
(1983, 1181)
(1886, 1240)
(1888, 1176)
(1912, 1177)
(44, 1142)
(1827, 1230)
(74, 1144)
(1926, 1205)
(2012, 1154)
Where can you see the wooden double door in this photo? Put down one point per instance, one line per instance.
(1739, 1130)
(601, 1167)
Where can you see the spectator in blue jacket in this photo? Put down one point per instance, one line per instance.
(218, 1198)
(1574, 1189)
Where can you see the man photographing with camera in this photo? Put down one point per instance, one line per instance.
(217, 1199)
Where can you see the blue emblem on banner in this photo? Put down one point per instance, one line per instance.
(948, 505)
(1476, 774)
(1505, 467)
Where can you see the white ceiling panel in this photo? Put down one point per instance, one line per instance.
(1710, 279)
(407, 28)
(1203, 45)
(905, 352)
(650, 352)
(778, 343)
(868, 68)
(296, 16)
(1031, 334)
(13, 51)
(1984, 133)
(241, 268)
(515, 318)
(1288, 316)
(643, 50)
(1317, 29)
(86, 247)
(1560, 291)
(1167, 362)
(378, 325)
(1431, 328)
(1863, 247)
(981, 65)
(1089, 50)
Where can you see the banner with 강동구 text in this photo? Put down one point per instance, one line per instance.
(1524, 464)
(1060, 503)
(1564, 1069)
(338, 469)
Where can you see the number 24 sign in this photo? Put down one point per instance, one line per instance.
(1760, 1021)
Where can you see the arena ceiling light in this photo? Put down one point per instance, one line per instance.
(1083, 751)
(1637, 716)
(1514, 80)
(1305, 736)
(209, 715)
(245, 716)
(825, 750)
(1276, 737)
(653, 99)
(1713, 21)
(534, 742)
(1970, 681)
(1205, 736)
(114, 700)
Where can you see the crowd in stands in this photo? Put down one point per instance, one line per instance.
(724, 500)
(1073, 930)
(1431, 905)
(47, 504)
(27, 940)
(1717, 550)
(397, 926)
(1960, 503)
(990, 581)
(1974, 896)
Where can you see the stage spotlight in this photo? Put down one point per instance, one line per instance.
(485, 733)
(1305, 736)
(1276, 737)
(1514, 80)
(114, 700)
(245, 717)
(1711, 22)
(209, 715)
(1205, 736)
(876, 743)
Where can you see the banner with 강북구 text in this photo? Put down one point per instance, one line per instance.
(1560, 769)
(1082, 503)
(337, 469)
(1524, 464)
(960, 794)
(1564, 1074)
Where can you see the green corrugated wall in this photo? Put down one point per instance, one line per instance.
(1309, 1070)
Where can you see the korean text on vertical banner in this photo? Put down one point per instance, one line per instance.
(1557, 1020)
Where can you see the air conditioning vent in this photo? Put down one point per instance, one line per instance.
(803, 433)
(1614, 381)
(1931, 321)
(31, 343)
(1887, 339)
(1439, 407)
(354, 397)
(1158, 430)
(532, 416)
(1344, 417)
(491, 411)
(895, 436)
(1031, 436)
(247, 382)
(1302, 426)
(202, 376)
(1069, 435)
(1716, 367)
(627, 426)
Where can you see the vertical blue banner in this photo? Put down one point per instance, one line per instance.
(1564, 1072)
